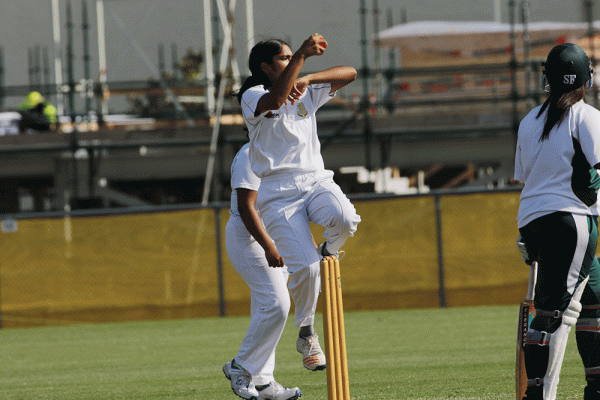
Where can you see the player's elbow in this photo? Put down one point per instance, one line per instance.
(347, 76)
(278, 102)
(344, 76)
(273, 102)
(352, 74)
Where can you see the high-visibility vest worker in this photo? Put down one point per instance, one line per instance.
(37, 113)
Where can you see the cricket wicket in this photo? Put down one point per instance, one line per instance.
(338, 386)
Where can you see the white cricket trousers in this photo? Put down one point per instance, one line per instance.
(270, 301)
(287, 203)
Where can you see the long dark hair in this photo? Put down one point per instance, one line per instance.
(263, 51)
(558, 104)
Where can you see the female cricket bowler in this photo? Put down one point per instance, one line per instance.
(279, 110)
(255, 257)
(557, 157)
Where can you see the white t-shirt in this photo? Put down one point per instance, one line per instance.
(285, 140)
(557, 172)
(242, 177)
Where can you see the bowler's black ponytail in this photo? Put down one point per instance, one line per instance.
(263, 51)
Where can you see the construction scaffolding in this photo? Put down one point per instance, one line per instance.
(396, 125)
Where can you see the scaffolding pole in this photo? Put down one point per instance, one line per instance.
(527, 52)
(58, 79)
(249, 25)
(214, 141)
(103, 107)
(208, 57)
(85, 27)
(367, 131)
(513, 68)
(227, 62)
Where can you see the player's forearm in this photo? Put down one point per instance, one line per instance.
(284, 84)
(338, 77)
(255, 227)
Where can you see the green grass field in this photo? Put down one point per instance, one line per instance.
(455, 353)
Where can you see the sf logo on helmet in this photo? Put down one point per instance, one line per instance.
(569, 79)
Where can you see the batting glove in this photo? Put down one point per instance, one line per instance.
(523, 250)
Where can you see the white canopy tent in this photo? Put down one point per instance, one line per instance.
(477, 38)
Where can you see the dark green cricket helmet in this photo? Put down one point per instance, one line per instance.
(567, 68)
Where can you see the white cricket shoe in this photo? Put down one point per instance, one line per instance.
(313, 357)
(274, 391)
(241, 381)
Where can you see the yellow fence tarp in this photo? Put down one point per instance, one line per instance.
(164, 264)
(481, 261)
(109, 262)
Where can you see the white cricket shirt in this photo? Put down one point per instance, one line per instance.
(242, 177)
(557, 172)
(285, 140)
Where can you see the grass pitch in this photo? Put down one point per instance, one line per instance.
(454, 353)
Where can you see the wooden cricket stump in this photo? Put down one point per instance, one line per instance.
(338, 386)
